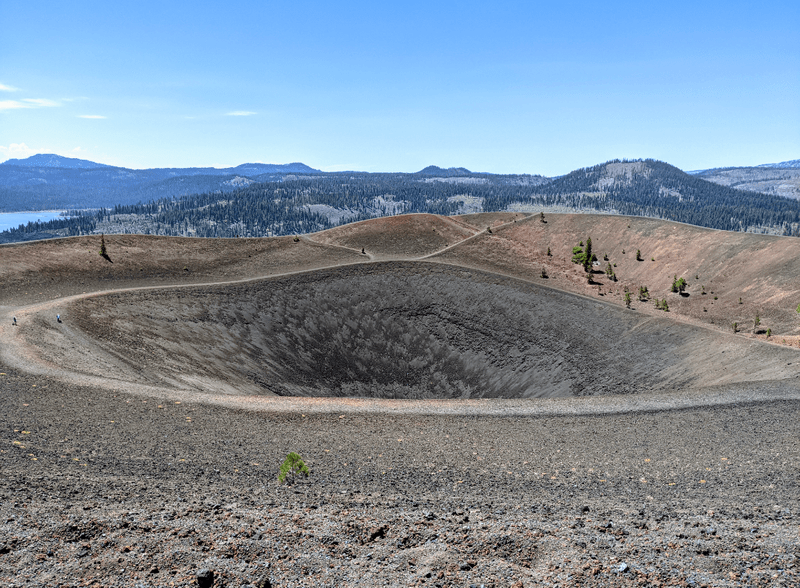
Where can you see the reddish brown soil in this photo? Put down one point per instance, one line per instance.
(46, 270)
(483, 220)
(762, 270)
(397, 237)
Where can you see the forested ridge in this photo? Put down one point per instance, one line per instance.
(661, 190)
(51, 182)
(299, 203)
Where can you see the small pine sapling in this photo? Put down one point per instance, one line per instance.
(582, 256)
(769, 333)
(628, 299)
(735, 327)
(292, 467)
(544, 273)
(103, 250)
(678, 284)
(548, 253)
(638, 255)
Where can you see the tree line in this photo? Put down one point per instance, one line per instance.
(303, 204)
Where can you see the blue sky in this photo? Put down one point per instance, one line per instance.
(504, 87)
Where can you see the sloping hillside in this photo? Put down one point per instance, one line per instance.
(397, 237)
(657, 189)
(777, 181)
(762, 270)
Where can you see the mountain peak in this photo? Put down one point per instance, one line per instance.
(53, 160)
(263, 168)
(435, 170)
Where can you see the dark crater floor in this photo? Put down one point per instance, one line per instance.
(394, 330)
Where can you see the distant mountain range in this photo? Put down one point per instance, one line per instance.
(777, 179)
(52, 160)
(294, 203)
(52, 182)
(784, 164)
(57, 161)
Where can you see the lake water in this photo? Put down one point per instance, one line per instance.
(11, 220)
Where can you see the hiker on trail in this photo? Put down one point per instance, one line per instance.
(15, 321)
(58, 317)
(362, 251)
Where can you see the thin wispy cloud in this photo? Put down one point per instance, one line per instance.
(93, 116)
(40, 102)
(16, 151)
(12, 105)
(240, 113)
(27, 103)
(7, 88)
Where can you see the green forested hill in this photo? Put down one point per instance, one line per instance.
(301, 203)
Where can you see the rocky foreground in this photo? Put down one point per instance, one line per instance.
(103, 488)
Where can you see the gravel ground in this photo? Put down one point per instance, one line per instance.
(109, 489)
(108, 482)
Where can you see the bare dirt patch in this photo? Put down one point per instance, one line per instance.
(399, 237)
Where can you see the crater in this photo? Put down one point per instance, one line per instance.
(410, 330)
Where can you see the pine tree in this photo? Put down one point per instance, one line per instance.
(588, 256)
